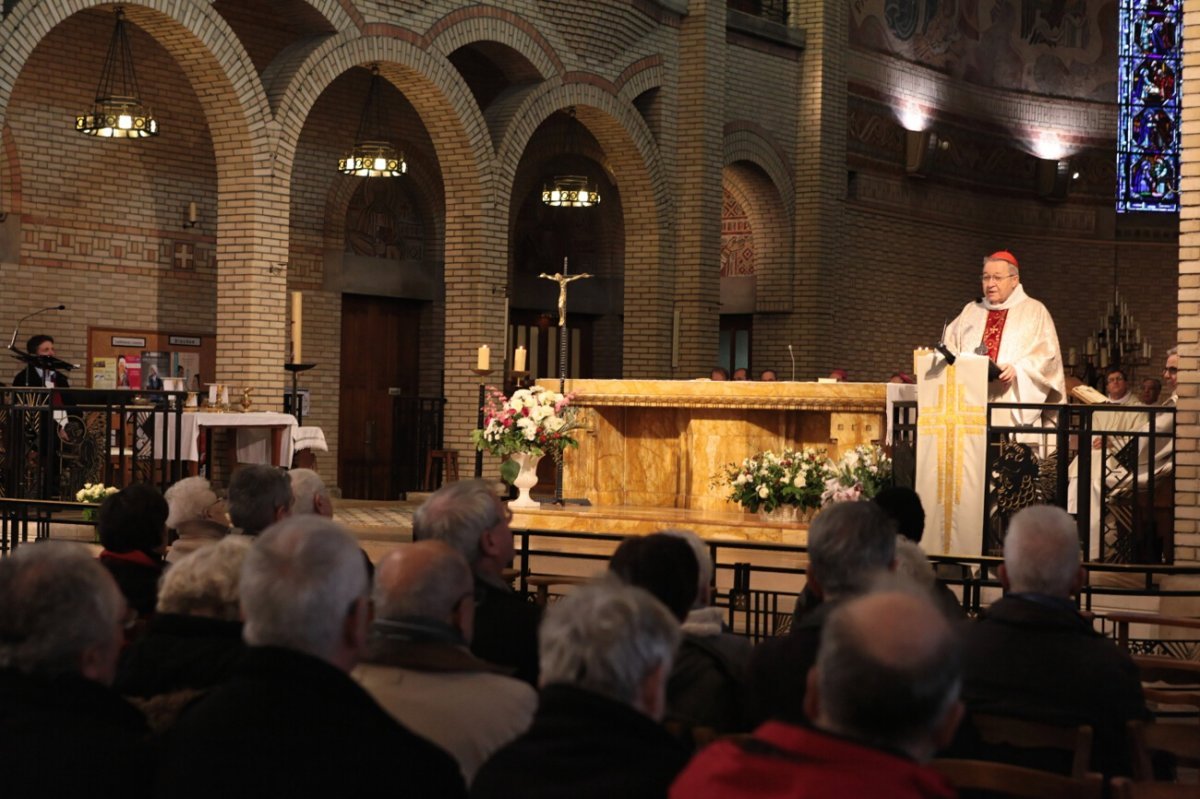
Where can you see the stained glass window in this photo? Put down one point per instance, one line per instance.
(1150, 80)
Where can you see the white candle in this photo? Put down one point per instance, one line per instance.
(483, 360)
(224, 395)
(212, 394)
(1072, 356)
(192, 215)
(1091, 346)
(519, 360)
(297, 323)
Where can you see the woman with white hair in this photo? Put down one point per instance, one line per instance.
(196, 516)
(195, 635)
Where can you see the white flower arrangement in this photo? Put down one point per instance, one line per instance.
(94, 493)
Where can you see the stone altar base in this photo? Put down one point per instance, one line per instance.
(642, 520)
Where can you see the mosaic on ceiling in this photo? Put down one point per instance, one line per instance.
(1060, 47)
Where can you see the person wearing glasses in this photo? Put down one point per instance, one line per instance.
(1017, 332)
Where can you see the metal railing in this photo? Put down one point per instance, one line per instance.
(759, 612)
(1130, 470)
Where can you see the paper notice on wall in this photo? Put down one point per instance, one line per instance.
(186, 365)
(104, 372)
(155, 366)
(129, 370)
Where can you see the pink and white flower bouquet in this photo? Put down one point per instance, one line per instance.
(533, 420)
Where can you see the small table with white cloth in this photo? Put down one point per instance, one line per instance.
(262, 437)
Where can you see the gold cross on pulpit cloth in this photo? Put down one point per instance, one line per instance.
(951, 450)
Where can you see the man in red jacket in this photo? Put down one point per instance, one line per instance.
(883, 698)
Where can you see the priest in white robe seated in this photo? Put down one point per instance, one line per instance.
(1016, 332)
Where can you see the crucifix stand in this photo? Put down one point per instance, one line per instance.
(562, 279)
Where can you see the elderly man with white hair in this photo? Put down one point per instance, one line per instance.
(1034, 656)
(63, 730)
(468, 516)
(606, 651)
(310, 492)
(291, 721)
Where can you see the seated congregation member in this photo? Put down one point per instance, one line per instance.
(1033, 656)
(882, 698)
(706, 685)
(195, 637)
(132, 525)
(419, 667)
(63, 730)
(468, 516)
(195, 514)
(310, 492)
(849, 545)
(606, 652)
(259, 496)
(290, 721)
(903, 505)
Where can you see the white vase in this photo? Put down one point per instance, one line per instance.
(526, 480)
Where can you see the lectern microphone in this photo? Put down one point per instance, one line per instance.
(13, 340)
(793, 357)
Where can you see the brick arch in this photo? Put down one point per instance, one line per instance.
(340, 14)
(475, 24)
(632, 160)
(746, 141)
(251, 223)
(772, 229)
(475, 264)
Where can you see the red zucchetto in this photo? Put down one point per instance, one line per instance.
(1004, 255)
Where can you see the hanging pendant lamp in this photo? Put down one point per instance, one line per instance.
(118, 111)
(570, 191)
(373, 156)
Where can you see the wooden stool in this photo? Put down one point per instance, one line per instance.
(448, 461)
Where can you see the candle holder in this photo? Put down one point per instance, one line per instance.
(520, 378)
(482, 374)
(297, 406)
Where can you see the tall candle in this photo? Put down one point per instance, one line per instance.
(297, 323)
(212, 394)
(483, 360)
(192, 214)
(519, 360)
(1072, 356)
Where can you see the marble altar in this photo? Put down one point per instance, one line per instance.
(660, 443)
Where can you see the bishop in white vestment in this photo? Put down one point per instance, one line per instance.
(1019, 335)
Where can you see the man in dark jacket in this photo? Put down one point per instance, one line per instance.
(63, 730)
(468, 516)
(849, 545)
(606, 652)
(291, 721)
(1033, 656)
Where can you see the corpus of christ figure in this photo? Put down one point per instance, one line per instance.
(562, 280)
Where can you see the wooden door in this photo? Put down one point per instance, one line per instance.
(380, 349)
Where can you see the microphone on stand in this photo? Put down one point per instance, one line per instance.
(13, 340)
(793, 357)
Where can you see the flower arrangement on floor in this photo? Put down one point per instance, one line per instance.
(93, 494)
(860, 473)
(768, 481)
(534, 421)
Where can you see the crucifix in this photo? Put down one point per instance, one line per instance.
(562, 279)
